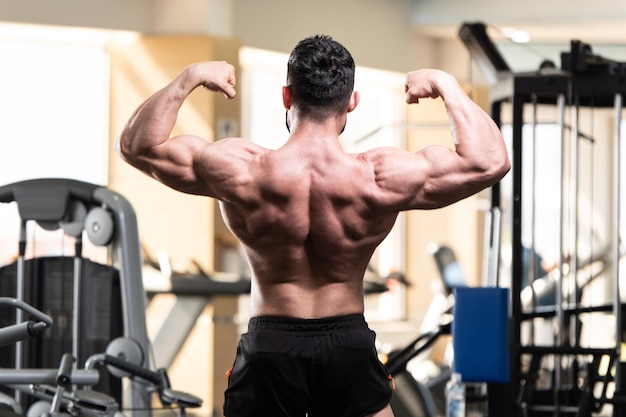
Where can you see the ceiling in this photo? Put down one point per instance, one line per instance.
(599, 21)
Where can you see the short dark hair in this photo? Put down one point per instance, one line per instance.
(320, 77)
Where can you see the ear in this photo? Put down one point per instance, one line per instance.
(286, 97)
(354, 101)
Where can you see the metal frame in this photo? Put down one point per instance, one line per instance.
(49, 200)
(584, 81)
(562, 90)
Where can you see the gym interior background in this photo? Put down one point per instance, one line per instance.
(73, 71)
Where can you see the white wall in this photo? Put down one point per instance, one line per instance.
(54, 107)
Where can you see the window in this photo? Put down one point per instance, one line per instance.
(54, 103)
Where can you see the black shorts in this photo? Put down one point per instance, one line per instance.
(287, 367)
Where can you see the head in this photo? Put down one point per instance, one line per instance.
(320, 78)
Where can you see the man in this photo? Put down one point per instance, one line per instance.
(309, 217)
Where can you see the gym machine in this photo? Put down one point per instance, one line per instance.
(582, 379)
(68, 390)
(92, 302)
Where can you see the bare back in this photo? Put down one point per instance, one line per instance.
(310, 236)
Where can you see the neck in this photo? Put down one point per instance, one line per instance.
(315, 135)
(330, 127)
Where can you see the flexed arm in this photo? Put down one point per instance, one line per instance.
(436, 175)
(479, 158)
(145, 141)
(478, 141)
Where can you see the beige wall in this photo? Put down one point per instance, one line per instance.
(180, 224)
(377, 32)
(459, 225)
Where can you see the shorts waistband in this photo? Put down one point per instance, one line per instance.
(349, 321)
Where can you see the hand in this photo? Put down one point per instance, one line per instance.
(218, 76)
(423, 84)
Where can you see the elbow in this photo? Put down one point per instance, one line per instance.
(505, 165)
(121, 144)
(124, 147)
(118, 148)
(499, 168)
(492, 169)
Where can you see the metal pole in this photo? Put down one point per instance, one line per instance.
(617, 179)
(491, 242)
(76, 294)
(516, 240)
(20, 294)
(559, 293)
(566, 378)
(531, 259)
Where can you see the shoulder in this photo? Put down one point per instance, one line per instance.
(383, 158)
(379, 152)
(230, 154)
(241, 144)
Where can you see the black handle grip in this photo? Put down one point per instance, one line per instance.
(133, 369)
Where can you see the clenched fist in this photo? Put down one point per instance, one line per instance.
(426, 83)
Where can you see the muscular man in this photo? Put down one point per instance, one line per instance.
(309, 217)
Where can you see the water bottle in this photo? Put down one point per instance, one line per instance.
(455, 397)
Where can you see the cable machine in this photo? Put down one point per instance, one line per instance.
(563, 372)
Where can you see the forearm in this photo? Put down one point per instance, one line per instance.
(151, 124)
(476, 137)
